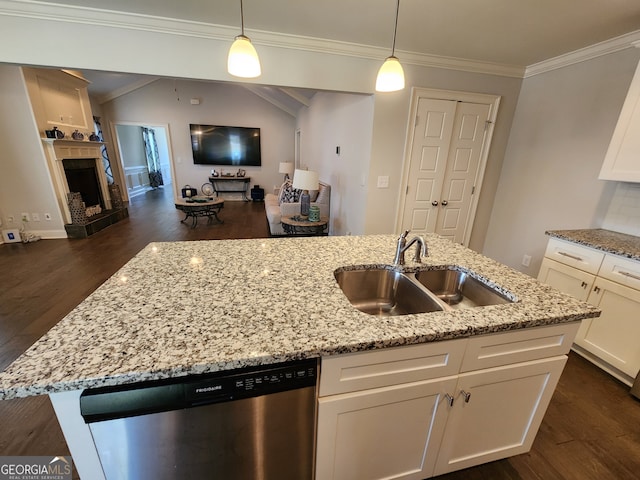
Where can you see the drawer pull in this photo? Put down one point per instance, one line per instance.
(584, 284)
(573, 257)
(630, 275)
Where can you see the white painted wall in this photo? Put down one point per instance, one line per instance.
(560, 134)
(25, 185)
(389, 138)
(220, 104)
(131, 146)
(339, 120)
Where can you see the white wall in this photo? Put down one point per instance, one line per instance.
(389, 138)
(560, 134)
(131, 146)
(623, 214)
(339, 120)
(25, 185)
(167, 102)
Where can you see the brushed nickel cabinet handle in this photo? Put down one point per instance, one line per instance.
(449, 399)
(574, 257)
(630, 275)
(584, 284)
(466, 395)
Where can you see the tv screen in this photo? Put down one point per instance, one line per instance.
(220, 145)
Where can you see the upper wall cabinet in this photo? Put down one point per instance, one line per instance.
(622, 161)
(59, 98)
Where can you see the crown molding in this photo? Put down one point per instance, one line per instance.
(132, 21)
(612, 45)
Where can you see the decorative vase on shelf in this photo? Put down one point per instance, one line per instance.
(59, 134)
(76, 135)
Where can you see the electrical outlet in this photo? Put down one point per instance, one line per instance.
(526, 260)
(383, 181)
(47, 216)
(35, 217)
(25, 217)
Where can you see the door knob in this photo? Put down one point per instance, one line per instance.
(434, 203)
(444, 203)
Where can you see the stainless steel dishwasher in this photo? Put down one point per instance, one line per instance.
(254, 423)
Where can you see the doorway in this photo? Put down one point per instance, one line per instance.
(133, 141)
(445, 157)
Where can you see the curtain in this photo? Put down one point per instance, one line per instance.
(153, 158)
(106, 163)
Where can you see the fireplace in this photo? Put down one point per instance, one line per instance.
(82, 177)
(76, 166)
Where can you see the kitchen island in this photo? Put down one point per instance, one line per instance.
(187, 308)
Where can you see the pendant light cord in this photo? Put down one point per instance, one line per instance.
(242, 17)
(395, 30)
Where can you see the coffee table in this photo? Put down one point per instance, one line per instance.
(200, 207)
(296, 225)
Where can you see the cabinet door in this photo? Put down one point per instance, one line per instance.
(614, 336)
(501, 414)
(391, 432)
(621, 160)
(566, 279)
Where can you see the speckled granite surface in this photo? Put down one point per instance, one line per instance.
(193, 307)
(605, 240)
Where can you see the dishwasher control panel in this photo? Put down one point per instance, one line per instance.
(264, 380)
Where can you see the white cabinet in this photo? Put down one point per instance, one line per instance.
(611, 340)
(613, 337)
(418, 411)
(496, 413)
(566, 279)
(621, 161)
(390, 432)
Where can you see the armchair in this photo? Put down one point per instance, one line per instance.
(276, 207)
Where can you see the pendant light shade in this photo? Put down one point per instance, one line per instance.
(243, 59)
(391, 75)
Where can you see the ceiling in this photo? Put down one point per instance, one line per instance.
(504, 32)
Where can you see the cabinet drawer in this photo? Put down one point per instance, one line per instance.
(390, 366)
(621, 270)
(488, 351)
(576, 256)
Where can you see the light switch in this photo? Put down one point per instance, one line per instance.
(383, 181)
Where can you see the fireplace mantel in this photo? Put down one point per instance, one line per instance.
(58, 150)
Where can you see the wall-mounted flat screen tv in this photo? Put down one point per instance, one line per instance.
(222, 145)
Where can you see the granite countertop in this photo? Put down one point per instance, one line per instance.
(181, 308)
(606, 240)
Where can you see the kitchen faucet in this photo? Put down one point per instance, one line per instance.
(403, 245)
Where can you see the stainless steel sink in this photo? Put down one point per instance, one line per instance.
(459, 289)
(384, 292)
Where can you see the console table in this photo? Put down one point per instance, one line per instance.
(221, 184)
(295, 225)
(195, 209)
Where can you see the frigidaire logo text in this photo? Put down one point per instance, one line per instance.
(212, 388)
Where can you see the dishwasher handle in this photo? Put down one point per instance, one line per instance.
(110, 403)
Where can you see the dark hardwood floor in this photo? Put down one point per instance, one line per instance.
(591, 430)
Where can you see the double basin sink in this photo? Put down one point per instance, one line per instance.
(385, 291)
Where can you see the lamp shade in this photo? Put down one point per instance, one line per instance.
(305, 180)
(390, 76)
(243, 59)
(286, 168)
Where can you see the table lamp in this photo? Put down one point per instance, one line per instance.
(305, 180)
(287, 169)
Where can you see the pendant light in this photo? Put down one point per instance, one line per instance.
(391, 76)
(243, 59)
